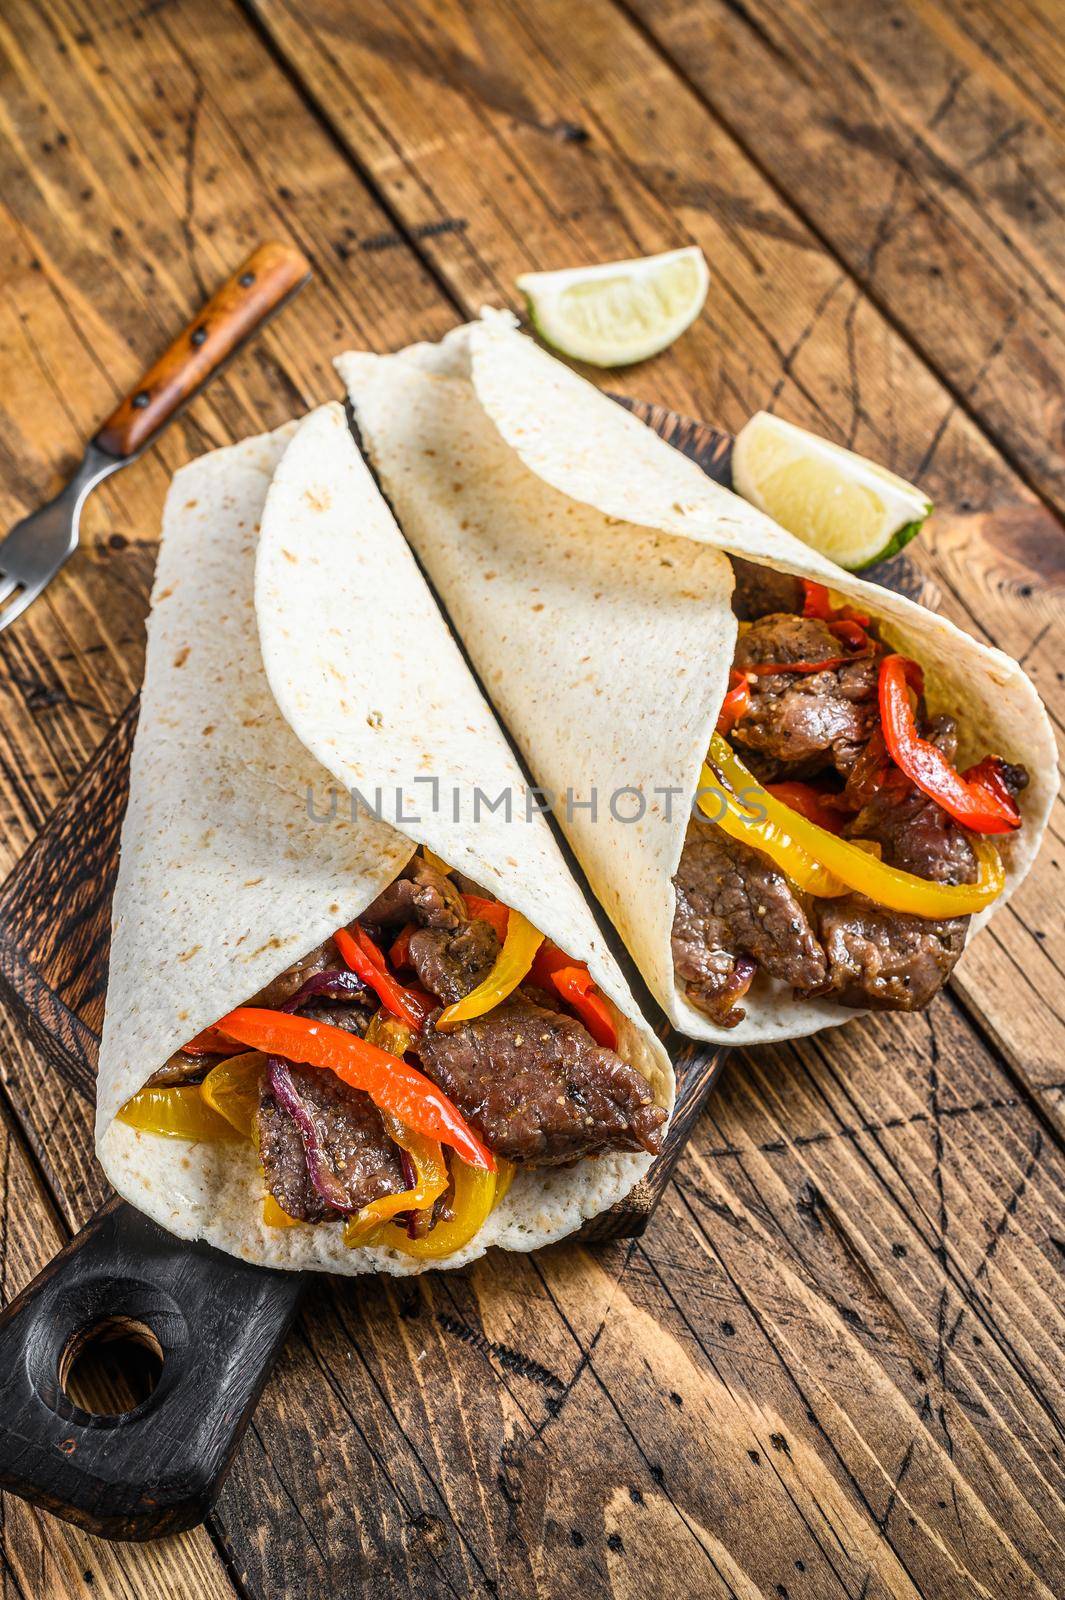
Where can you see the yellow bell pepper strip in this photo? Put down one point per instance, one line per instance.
(985, 806)
(176, 1113)
(232, 1090)
(510, 967)
(365, 959)
(431, 1179)
(476, 1196)
(392, 1083)
(426, 1158)
(275, 1216)
(800, 848)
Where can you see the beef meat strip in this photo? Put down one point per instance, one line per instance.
(760, 590)
(537, 1087)
(179, 1069)
(451, 963)
(800, 724)
(420, 894)
(886, 959)
(735, 913)
(339, 1014)
(291, 981)
(323, 1146)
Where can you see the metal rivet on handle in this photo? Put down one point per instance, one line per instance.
(246, 280)
(142, 399)
(197, 336)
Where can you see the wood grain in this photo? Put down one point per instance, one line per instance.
(833, 1365)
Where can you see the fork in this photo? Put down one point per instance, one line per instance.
(36, 548)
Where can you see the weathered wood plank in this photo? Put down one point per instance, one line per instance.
(931, 172)
(479, 114)
(40, 1556)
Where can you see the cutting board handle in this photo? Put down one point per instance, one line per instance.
(254, 292)
(216, 1322)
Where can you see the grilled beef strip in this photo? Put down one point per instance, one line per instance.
(760, 590)
(537, 1087)
(323, 1146)
(180, 1069)
(452, 963)
(420, 894)
(735, 913)
(288, 983)
(799, 724)
(889, 960)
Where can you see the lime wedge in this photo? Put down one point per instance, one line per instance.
(621, 312)
(848, 508)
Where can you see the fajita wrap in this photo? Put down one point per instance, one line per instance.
(294, 654)
(591, 571)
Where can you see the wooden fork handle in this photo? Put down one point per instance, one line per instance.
(256, 290)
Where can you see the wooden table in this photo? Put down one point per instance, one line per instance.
(833, 1366)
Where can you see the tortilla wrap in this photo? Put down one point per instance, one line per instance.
(232, 865)
(584, 563)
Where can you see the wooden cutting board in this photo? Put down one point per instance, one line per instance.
(218, 1323)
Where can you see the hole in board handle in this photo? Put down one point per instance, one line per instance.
(110, 1367)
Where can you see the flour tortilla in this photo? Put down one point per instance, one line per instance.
(232, 865)
(583, 562)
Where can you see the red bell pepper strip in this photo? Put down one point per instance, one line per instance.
(363, 957)
(736, 703)
(399, 954)
(853, 634)
(494, 912)
(211, 1042)
(572, 982)
(810, 803)
(391, 1082)
(817, 603)
(977, 802)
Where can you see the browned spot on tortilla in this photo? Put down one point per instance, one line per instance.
(164, 594)
(182, 656)
(273, 943)
(187, 955)
(250, 883)
(318, 499)
(207, 732)
(190, 505)
(289, 556)
(539, 606)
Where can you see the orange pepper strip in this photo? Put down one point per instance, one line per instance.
(974, 801)
(494, 912)
(572, 982)
(364, 958)
(392, 1083)
(210, 1042)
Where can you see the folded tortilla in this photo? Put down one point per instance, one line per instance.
(584, 563)
(295, 653)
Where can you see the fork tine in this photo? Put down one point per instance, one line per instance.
(18, 605)
(7, 587)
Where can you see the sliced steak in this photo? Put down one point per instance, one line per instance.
(284, 1162)
(759, 590)
(800, 724)
(451, 963)
(736, 912)
(420, 894)
(348, 1158)
(537, 1087)
(339, 1014)
(887, 959)
(182, 1069)
(884, 959)
(291, 981)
